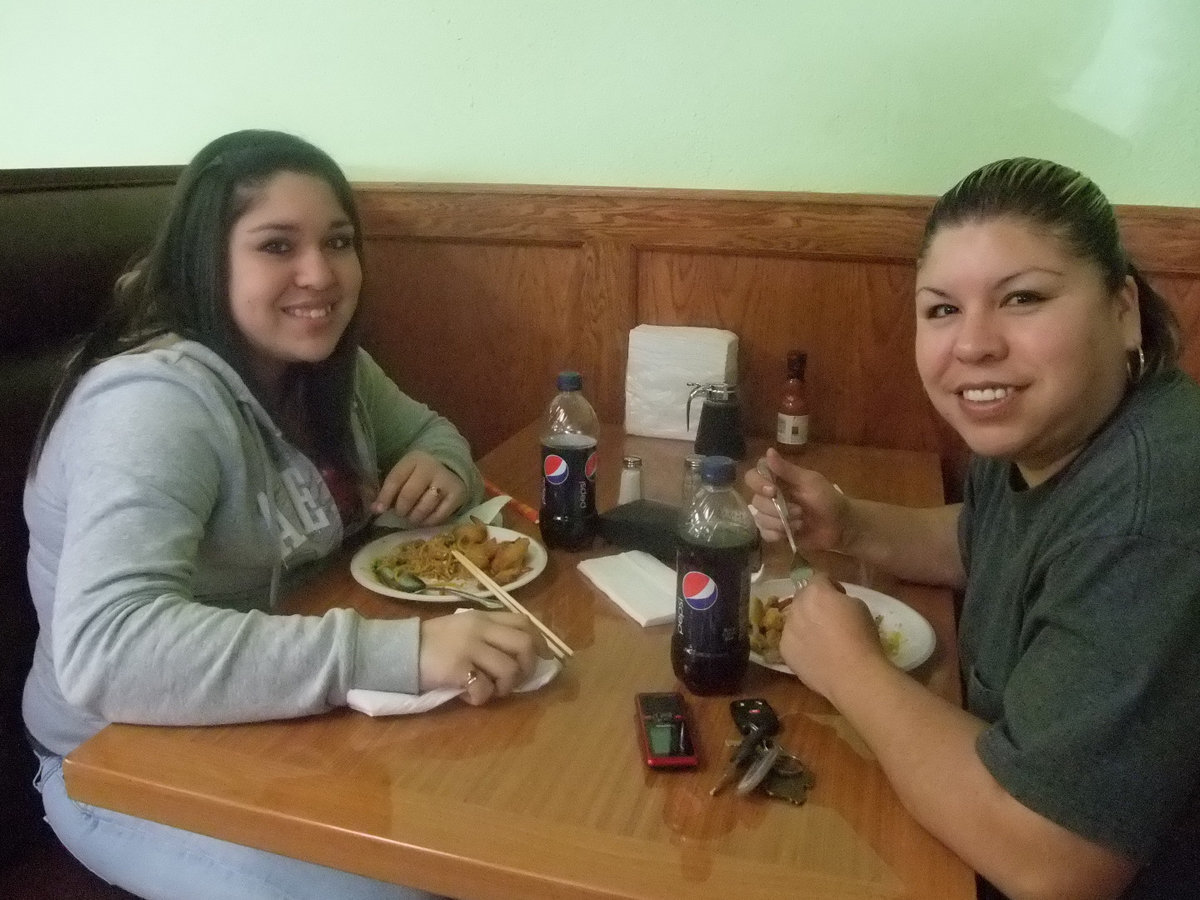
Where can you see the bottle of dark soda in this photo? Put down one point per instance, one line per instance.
(568, 514)
(718, 543)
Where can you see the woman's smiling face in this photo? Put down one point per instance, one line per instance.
(1020, 345)
(294, 274)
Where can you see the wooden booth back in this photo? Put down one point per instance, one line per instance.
(480, 294)
(65, 235)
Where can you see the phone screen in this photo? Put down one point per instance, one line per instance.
(666, 738)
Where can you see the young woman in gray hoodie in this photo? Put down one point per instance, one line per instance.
(218, 434)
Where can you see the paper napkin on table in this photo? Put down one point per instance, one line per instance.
(392, 703)
(636, 582)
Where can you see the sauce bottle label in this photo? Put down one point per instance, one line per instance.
(791, 429)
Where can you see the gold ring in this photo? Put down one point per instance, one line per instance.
(472, 677)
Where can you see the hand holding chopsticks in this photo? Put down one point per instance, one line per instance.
(557, 645)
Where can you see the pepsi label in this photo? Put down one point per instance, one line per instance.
(568, 514)
(556, 469)
(698, 590)
(710, 648)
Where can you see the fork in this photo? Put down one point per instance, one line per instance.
(781, 507)
(485, 602)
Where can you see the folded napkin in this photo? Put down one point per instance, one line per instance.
(662, 359)
(636, 582)
(487, 512)
(392, 703)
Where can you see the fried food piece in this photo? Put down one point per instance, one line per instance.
(509, 562)
(510, 555)
(481, 554)
(473, 532)
(766, 626)
(509, 575)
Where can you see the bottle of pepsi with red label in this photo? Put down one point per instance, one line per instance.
(718, 546)
(569, 438)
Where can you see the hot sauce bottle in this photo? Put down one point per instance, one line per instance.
(791, 420)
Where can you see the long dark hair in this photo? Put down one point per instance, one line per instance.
(1069, 205)
(182, 285)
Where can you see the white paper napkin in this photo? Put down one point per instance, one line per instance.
(487, 512)
(636, 582)
(392, 703)
(662, 359)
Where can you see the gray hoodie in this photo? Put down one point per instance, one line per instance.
(167, 515)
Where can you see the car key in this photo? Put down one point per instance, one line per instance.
(755, 712)
(768, 755)
(757, 721)
(742, 754)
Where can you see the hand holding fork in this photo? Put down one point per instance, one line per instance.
(800, 568)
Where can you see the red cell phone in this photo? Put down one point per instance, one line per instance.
(665, 731)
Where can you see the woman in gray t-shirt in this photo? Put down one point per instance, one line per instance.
(1073, 770)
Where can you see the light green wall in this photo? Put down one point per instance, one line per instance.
(887, 96)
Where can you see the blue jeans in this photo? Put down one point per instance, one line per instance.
(159, 862)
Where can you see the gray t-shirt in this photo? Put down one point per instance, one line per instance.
(1080, 634)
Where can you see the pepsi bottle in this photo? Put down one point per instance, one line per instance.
(718, 543)
(568, 515)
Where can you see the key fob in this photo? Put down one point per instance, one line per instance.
(751, 712)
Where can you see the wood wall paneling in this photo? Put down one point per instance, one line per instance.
(853, 319)
(475, 330)
(1183, 293)
(480, 294)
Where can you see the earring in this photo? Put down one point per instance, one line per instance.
(1135, 377)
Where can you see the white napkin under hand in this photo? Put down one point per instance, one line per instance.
(487, 512)
(393, 703)
(636, 582)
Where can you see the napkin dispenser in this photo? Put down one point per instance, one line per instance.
(720, 430)
(643, 525)
(663, 359)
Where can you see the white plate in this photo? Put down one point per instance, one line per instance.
(916, 634)
(360, 565)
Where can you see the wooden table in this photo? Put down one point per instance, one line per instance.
(544, 795)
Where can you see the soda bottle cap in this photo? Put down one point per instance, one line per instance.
(570, 381)
(718, 470)
(631, 462)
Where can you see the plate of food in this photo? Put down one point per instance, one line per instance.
(905, 635)
(511, 558)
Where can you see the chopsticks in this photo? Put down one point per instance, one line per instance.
(557, 645)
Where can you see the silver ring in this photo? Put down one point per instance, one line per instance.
(435, 490)
(472, 677)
